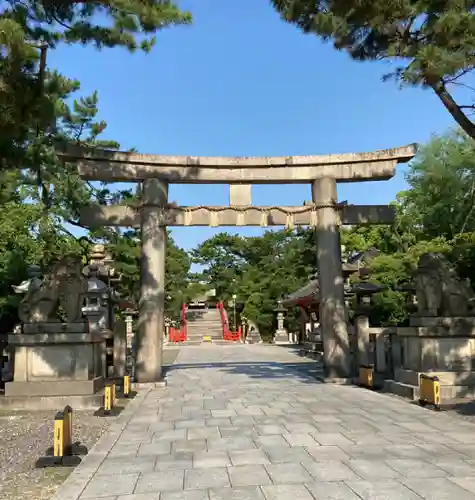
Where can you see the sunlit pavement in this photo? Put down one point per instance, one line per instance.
(251, 422)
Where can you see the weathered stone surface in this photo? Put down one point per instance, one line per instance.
(378, 446)
(440, 291)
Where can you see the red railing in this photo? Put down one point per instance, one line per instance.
(176, 335)
(227, 334)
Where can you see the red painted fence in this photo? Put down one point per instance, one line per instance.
(227, 334)
(176, 335)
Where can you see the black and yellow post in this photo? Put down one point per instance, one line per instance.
(429, 391)
(63, 453)
(366, 376)
(126, 388)
(109, 408)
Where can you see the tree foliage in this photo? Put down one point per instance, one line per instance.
(40, 110)
(432, 42)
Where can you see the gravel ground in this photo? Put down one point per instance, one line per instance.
(24, 437)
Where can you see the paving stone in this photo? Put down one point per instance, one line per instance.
(372, 469)
(171, 480)
(415, 468)
(203, 432)
(121, 485)
(161, 426)
(248, 475)
(249, 457)
(235, 411)
(300, 439)
(230, 431)
(189, 424)
(404, 451)
(185, 495)
(382, 490)
(159, 448)
(246, 493)
(210, 459)
(438, 489)
(231, 443)
(139, 496)
(457, 468)
(169, 435)
(286, 492)
(332, 491)
(367, 438)
(288, 473)
(270, 429)
(174, 461)
(328, 438)
(467, 483)
(330, 470)
(216, 422)
(121, 451)
(189, 445)
(271, 441)
(300, 427)
(365, 452)
(322, 453)
(126, 465)
(243, 420)
(196, 479)
(461, 450)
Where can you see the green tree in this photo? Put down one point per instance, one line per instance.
(259, 270)
(440, 200)
(32, 97)
(431, 42)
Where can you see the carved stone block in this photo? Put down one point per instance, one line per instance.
(240, 194)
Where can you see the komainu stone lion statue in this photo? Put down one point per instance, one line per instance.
(64, 286)
(440, 291)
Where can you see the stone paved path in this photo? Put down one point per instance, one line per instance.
(250, 423)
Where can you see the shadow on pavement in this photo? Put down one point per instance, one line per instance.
(305, 372)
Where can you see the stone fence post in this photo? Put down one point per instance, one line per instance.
(362, 337)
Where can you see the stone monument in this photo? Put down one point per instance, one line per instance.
(253, 336)
(441, 337)
(56, 357)
(281, 335)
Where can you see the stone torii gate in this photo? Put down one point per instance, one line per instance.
(155, 213)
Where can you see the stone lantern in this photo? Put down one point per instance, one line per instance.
(100, 310)
(96, 301)
(281, 335)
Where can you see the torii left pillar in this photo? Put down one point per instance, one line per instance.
(151, 324)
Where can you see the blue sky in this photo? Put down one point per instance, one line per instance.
(241, 82)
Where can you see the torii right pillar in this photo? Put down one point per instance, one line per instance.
(333, 321)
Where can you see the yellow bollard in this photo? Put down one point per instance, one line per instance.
(429, 391)
(68, 429)
(126, 386)
(58, 435)
(63, 453)
(365, 376)
(108, 404)
(113, 394)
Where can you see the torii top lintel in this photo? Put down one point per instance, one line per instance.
(119, 166)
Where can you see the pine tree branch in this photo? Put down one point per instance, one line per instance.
(452, 107)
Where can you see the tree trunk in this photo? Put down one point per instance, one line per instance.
(453, 108)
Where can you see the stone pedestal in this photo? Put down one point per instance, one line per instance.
(438, 346)
(281, 337)
(253, 337)
(56, 364)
